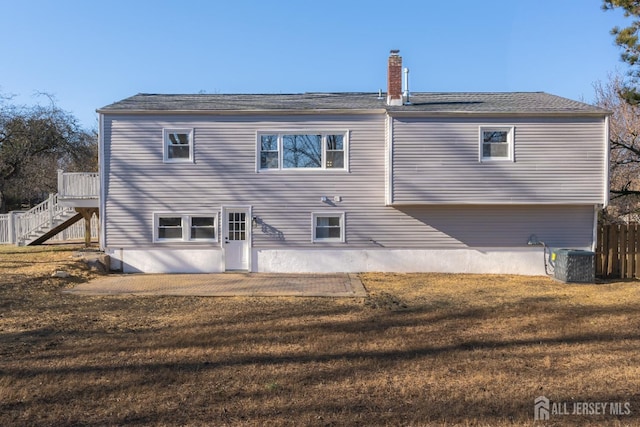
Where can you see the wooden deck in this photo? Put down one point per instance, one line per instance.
(78, 197)
(78, 189)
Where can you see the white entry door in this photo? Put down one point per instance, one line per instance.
(236, 238)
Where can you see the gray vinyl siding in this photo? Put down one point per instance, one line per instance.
(499, 226)
(224, 173)
(556, 160)
(138, 184)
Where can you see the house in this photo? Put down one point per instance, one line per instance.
(349, 182)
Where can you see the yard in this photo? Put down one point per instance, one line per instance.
(422, 349)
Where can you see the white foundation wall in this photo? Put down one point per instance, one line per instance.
(525, 261)
(166, 260)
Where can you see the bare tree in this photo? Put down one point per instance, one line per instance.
(627, 39)
(34, 143)
(624, 140)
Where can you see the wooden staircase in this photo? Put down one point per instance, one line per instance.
(64, 221)
(44, 221)
(77, 198)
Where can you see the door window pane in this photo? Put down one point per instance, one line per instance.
(236, 226)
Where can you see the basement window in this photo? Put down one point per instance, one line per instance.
(185, 227)
(496, 143)
(203, 227)
(178, 145)
(170, 228)
(328, 227)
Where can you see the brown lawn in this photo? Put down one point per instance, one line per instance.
(423, 349)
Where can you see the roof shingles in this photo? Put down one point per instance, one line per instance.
(432, 102)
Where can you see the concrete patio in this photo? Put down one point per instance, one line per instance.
(225, 284)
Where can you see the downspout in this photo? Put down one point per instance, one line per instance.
(607, 159)
(389, 161)
(102, 176)
(606, 184)
(594, 237)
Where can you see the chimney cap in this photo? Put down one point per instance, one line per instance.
(394, 52)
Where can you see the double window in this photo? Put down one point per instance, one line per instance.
(185, 228)
(327, 227)
(178, 145)
(496, 143)
(279, 151)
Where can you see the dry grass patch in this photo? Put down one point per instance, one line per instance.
(423, 349)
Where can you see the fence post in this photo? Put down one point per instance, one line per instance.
(634, 243)
(599, 250)
(50, 209)
(631, 251)
(622, 251)
(61, 181)
(11, 228)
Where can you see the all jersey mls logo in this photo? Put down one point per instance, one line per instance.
(543, 408)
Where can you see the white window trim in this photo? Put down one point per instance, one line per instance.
(186, 226)
(324, 133)
(510, 140)
(317, 214)
(165, 145)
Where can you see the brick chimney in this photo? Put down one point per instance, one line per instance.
(394, 79)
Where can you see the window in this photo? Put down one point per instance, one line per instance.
(328, 227)
(185, 228)
(178, 145)
(170, 228)
(496, 143)
(302, 151)
(269, 152)
(335, 151)
(203, 227)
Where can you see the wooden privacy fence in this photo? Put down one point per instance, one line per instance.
(618, 251)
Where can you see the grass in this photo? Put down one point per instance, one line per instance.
(422, 349)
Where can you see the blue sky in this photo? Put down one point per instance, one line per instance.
(91, 53)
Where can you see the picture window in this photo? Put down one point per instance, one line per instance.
(302, 151)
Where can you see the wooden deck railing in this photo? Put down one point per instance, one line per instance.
(78, 185)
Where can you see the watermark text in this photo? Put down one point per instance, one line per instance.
(544, 409)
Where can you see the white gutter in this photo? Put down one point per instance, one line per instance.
(245, 112)
(525, 114)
